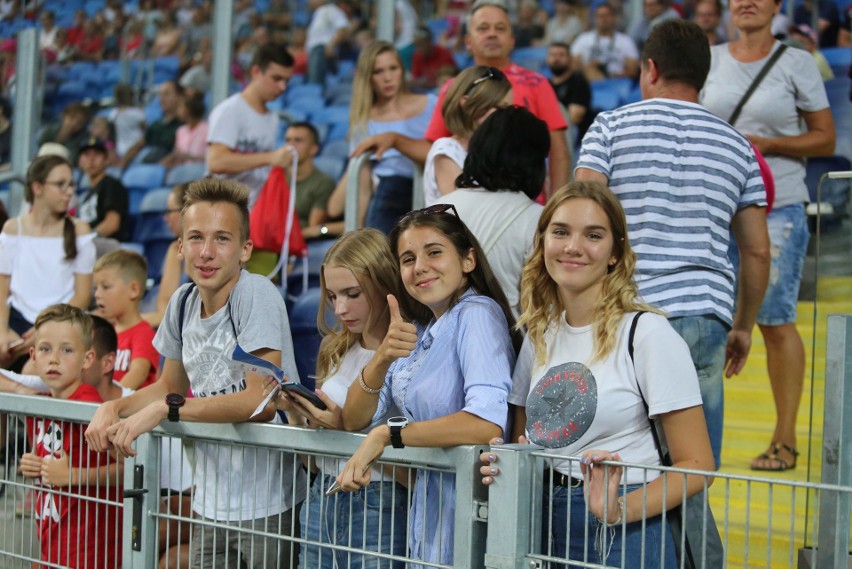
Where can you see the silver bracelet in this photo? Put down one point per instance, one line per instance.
(366, 387)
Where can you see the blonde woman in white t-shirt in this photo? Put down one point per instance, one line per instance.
(579, 393)
(357, 274)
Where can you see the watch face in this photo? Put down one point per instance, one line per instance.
(175, 399)
(397, 421)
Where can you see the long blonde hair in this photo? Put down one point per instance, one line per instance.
(363, 96)
(367, 254)
(540, 300)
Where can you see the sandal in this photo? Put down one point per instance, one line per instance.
(777, 464)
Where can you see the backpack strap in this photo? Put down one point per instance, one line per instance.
(665, 459)
(182, 310)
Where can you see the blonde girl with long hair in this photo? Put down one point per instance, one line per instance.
(357, 274)
(476, 93)
(578, 391)
(44, 240)
(382, 103)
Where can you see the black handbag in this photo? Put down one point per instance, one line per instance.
(701, 547)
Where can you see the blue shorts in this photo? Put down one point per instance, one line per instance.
(788, 240)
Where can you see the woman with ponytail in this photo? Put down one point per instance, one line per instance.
(46, 256)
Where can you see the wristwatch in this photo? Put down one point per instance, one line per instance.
(323, 230)
(397, 424)
(175, 401)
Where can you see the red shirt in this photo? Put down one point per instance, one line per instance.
(75, 531)
(428, 68)
(73, 36)
(529, 89)
(136, 342)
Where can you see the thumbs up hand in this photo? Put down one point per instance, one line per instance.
(401, 337)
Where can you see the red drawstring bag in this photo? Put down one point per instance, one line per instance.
(269, 214)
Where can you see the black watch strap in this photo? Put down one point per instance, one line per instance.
(396, 436)
(174, 413)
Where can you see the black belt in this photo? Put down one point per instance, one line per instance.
(552, 477)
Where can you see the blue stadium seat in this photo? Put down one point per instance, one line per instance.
(155, 253)
(294, 115)
(335, 149)
(437, 26)
(306, 337)
(331, 166)
(309, 90)
(305, 104)
(331, 115)
(167, 67)
(532, 57)
(839, 58)
(153, 112)
(147, 176)
(139, 179)
(296, 280)
(604, 98)
(337, 131)
(151, 230)
(156, 201)
(185, 173)
(80, 70)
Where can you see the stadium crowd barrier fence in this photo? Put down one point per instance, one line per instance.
(762, 521)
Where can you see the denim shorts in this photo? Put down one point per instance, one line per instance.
(788, 240)
(373, 519)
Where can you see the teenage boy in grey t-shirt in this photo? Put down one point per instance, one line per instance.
(247, 487)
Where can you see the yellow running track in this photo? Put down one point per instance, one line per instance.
(749, 421)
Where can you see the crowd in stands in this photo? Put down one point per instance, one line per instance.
(496, 101)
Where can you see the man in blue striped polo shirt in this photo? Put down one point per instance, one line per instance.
(687, 179)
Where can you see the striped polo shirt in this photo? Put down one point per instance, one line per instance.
(681, 174)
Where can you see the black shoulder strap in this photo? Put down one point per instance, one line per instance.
(754, 84)
(630, 340)
(665, 459)
(182, 311)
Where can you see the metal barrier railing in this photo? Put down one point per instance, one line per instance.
(61, 503)
(763, 522)
(152, 525)
(767, 529)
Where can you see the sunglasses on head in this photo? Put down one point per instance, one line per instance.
(489, 73)
(436, 209)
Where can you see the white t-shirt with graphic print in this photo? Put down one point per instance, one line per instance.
(573, 405)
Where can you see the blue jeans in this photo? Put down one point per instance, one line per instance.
(390, 201)
(317, 65)
(584, 534)
(706, 337)
(373, 519)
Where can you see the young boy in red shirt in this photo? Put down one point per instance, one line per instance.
(119, 278)
(74, 531)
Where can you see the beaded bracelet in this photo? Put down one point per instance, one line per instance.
(366, 387)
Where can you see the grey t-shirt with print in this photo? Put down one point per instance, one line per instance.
(256, 311)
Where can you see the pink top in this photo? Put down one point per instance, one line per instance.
(192, 141)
